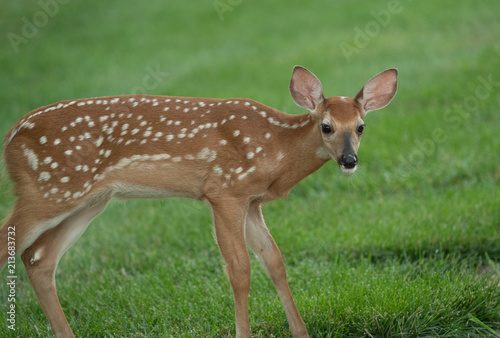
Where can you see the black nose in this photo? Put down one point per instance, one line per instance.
(349, 161)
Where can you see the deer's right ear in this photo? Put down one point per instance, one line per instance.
(306, 89)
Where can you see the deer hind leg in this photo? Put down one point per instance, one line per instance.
(262, 244)
(42, 257)
(229, 218)
(21, 230)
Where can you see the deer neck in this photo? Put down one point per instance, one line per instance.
(301, 153)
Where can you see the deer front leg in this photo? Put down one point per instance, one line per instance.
(262, 244)
(229, 218)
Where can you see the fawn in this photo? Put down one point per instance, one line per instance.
(69, 159)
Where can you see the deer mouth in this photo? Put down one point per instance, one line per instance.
(348, 170)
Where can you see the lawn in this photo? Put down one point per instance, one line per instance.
(409, 246)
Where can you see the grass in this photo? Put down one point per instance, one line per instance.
(408, 247)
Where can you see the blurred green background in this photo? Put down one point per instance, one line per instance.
(409, 246)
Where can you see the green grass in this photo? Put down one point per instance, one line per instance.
(408, 247)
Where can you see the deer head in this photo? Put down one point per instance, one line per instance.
(339, 119)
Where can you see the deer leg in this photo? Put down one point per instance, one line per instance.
(19, 232)
(42, 257)
(229, 218)
(262, 244)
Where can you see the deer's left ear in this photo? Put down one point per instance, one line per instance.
(306, 89)
(379, 91)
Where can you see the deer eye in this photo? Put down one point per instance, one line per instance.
(326, 129)
(361, 128)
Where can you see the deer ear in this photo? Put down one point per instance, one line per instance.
(379, 91)
(306, 89)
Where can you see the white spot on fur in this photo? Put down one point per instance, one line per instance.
(245, 174)
(44, 176)
(207, 154)
(31, 156)
(43, 140)
(99, 141)
(218, 170)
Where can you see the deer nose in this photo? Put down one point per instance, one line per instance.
(349, 161)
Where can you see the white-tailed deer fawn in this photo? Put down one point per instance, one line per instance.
(70, 158)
